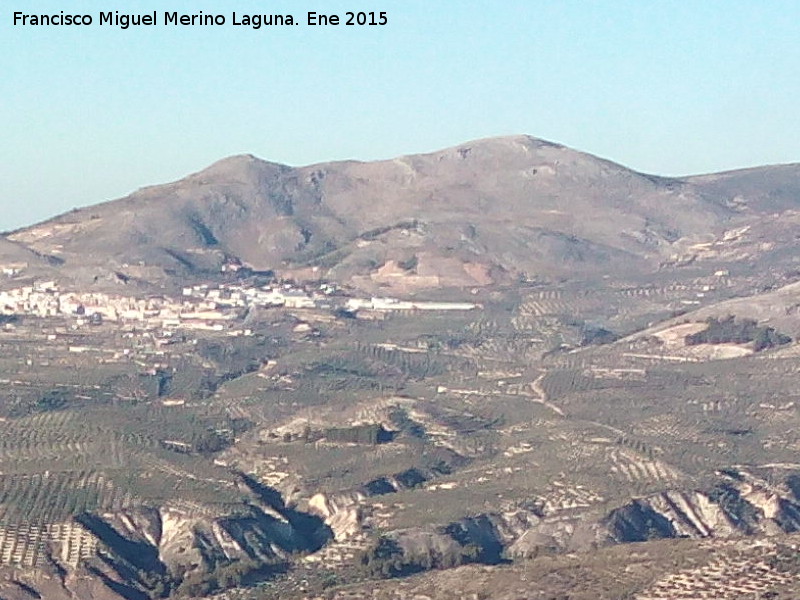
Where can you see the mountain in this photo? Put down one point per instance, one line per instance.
(769, 189)
(503, 370)
(489, 211)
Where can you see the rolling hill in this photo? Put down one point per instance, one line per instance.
(506, 369)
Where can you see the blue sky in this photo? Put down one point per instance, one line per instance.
(90, 114)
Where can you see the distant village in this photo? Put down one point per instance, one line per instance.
(202, 306)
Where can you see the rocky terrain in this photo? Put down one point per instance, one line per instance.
(487, 212)
(507, 369)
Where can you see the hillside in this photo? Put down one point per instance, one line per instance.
(502, 370)
(489, 211)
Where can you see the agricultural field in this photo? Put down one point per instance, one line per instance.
(497, 400)
(549, 421)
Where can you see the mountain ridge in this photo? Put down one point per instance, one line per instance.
(514, 206)
(506, 352)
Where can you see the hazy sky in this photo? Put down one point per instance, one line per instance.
(669, 87)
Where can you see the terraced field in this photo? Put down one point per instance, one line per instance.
(553, 422)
